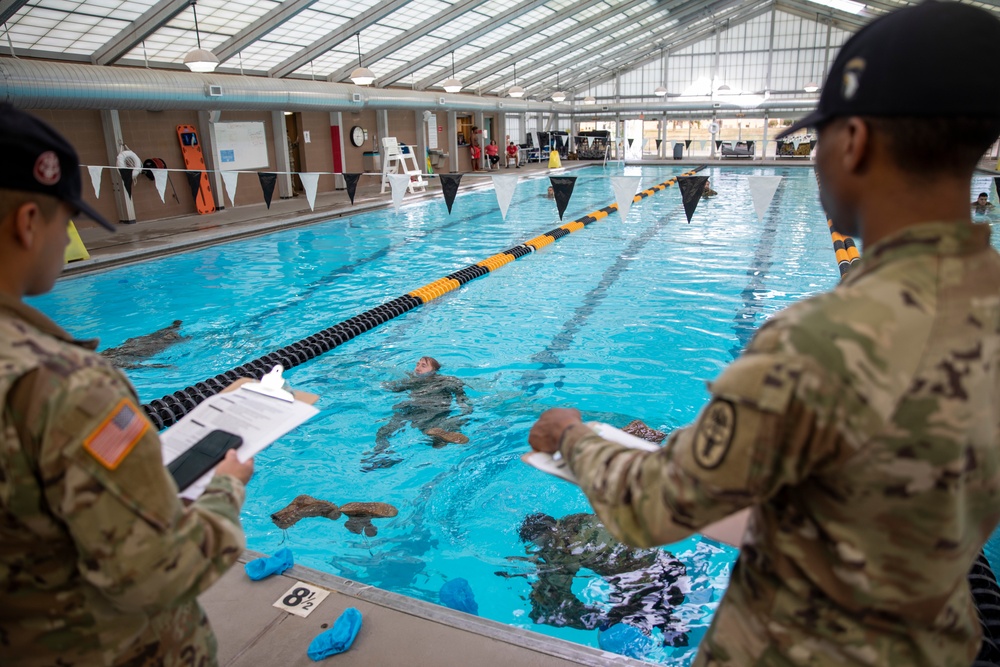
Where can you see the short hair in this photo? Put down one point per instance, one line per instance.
(935, 145)
(11, 200)
(982, 194)
(535, 525)
(432, 361)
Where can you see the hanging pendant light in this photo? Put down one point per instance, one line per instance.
(559, 95)
(362, 76)
(661, 91)
(200, 60)
(811, 87)
(452, 85)
(589, 99)
(515, 90)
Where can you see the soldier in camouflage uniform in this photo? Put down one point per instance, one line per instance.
(100, 564)
(860, 426)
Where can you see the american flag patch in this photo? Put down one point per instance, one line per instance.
(111, 442)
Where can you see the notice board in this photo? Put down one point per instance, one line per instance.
(241, 146)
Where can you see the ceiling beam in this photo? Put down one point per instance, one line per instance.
(472, 35)
(151, 20)
(335, 37)
(9, 7)
(410, 36)
(265, 24)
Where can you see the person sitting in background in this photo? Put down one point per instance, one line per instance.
(982, 203)
(513, 154)
(493, 153)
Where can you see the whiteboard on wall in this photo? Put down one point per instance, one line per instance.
(241, 146)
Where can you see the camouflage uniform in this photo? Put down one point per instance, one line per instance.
(862, 427)
(428, 405)
(98, 566)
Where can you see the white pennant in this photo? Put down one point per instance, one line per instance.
(95, 179)
(309, 181)
(625, 188)
(702, 142)
(160, 178)
(795, 142)
(504, 186)
(762, 189)
(399, 183)
(230, 178)
(590, 141)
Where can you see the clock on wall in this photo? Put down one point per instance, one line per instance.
(357, 135)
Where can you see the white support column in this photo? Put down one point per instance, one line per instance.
(112, 127)
(283, 165)
(382, 126)
(480, 122)
(206, 130)
(453, 141)
(763, 148)
(421, 147)
(663, 150)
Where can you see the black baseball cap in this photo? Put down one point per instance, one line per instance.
(39, 159)
(932, 59)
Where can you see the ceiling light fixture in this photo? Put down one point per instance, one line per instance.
(810, 87)
(200, 60)
(661, 91)
(559, 95)
(589, 99)
(515, 90)
(452, 85)
(362, 76)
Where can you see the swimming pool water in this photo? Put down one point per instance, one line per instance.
(624, 320)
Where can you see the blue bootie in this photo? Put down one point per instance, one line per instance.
(457, 594)
(264, 567)
(338, 638)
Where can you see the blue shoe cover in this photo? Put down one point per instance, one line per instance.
(338, 638)
(457, 594)
(265, 567)
(626, 640)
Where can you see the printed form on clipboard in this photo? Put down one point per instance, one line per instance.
(728, 531)
(258, 412)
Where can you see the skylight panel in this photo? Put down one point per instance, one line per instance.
(493, 8)
(532, 17)
(414, 13)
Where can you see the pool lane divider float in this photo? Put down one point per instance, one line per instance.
(166, 411)
(845, 250)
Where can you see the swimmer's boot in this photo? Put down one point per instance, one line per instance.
(447, 436)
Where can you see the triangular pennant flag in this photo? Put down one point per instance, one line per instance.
(812, 144)
(795, 142)
(687, 143)
(762, 189)
(230, 179)
(126, 175)
(160, 178)
(449, 187)
(750, 146)
(718, 144)
(194, 182)
(658, 143)
(309, 182)
(352, 184)
(562, 187)
(267, 182)
(625, 188)
(692, 188)
(504, 187)
(630, 142)
(996, 183)
(703, 143)
(95, 179)
(590, 141)
(399, 183)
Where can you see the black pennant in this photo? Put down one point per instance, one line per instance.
(718, 144)
(630, 142)
(692, 188)
(126, 175)
(194, 181)
(352, 184)
(996, 182)
(449, 187)
(658, 142)
(562, 188)
(687, 143)
(812, 144)
(750, 146)
(267, 181)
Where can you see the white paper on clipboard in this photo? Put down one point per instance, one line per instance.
(728, 531)
(257, 418)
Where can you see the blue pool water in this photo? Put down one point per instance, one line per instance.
(624, 320)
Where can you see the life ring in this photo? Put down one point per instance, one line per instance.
(152, 163)
(129, 160)
(713, 128)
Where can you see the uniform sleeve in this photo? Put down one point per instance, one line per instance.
(754, 436)
(102, 468)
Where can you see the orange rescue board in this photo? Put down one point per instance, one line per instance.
(195, 161)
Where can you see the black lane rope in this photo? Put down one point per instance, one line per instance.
(169, 409)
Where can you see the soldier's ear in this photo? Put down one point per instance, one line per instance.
(856, 144)
(22, 224)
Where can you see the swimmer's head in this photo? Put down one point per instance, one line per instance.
(536, 526)
(427, 365)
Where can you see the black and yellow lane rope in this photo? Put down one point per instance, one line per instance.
(169, 409)
(845, 250)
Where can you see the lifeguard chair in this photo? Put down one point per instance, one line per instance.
(395, 161)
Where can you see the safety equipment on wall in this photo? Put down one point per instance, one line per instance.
(152, 163)
(129, 160)
(713, 128)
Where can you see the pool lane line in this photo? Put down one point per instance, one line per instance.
(845, 250)
(170, 409)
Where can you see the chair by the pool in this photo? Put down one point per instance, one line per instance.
(395, 161)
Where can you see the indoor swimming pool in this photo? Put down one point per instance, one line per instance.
(623, 319)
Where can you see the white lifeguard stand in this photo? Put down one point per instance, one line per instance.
(395, 161)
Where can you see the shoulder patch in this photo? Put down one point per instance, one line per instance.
(115, 437)
(714, 434)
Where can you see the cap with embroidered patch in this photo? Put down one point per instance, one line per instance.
(39, 159)
(932, 59)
